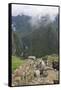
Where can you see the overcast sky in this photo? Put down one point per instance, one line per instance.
(31, 10)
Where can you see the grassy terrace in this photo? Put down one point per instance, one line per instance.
(53, 57)
(16, 62)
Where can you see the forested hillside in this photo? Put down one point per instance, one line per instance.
(39, 40)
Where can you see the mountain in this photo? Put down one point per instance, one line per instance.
(21, 23)
(38, 41)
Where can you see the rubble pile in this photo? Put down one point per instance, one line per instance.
(35, 72)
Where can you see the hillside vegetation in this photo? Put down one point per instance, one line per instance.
(39, 40)
(16, 62)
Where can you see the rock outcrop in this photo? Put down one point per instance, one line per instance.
(34, 72)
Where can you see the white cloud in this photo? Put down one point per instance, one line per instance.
(33, 10)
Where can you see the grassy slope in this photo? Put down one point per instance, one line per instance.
(53, 57)
(16, 62)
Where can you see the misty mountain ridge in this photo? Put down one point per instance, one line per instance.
(40, 35)
(24, 21)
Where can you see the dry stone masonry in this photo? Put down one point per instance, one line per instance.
(34, 72)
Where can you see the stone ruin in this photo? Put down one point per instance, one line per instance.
(23, 74)
(34, 72)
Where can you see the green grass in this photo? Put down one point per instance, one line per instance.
(53, 57)
(16, 62)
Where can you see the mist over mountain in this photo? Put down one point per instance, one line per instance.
(38, 35)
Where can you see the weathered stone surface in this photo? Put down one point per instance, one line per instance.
(37, 73)
(34, 72)
(45, 73)
(55, 65)
(32, 57)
